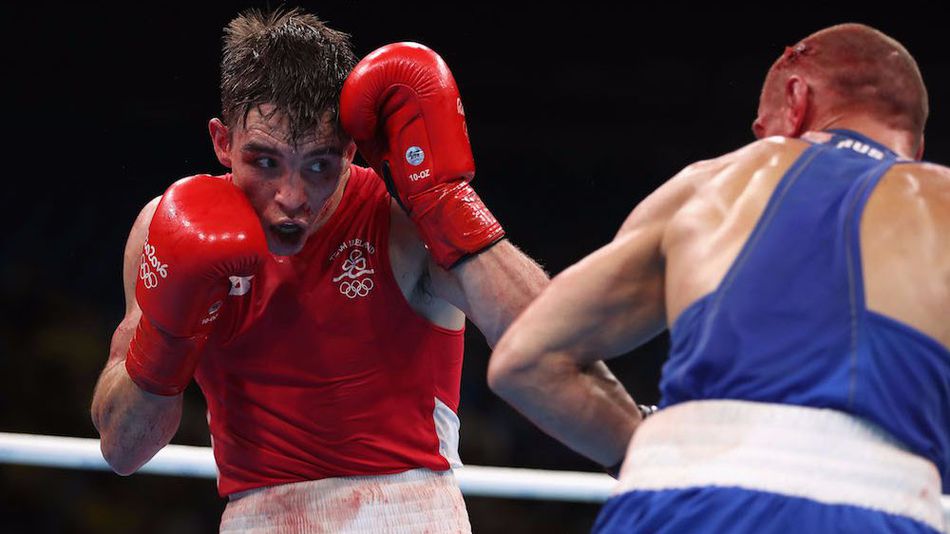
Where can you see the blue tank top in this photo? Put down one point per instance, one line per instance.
(788, 323)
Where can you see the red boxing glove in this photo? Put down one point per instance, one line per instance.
(403, 109)
(203, 231)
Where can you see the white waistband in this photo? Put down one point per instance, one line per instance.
(822, 455)
(413, 501)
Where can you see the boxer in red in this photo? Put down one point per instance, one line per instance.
(320, 313)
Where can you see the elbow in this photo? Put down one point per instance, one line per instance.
(122, 462)
(498, 375)
(118, 458)
(123, 469)
(520, 370)
(510, 371)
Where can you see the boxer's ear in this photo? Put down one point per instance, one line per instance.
(797, 105)
(349, 152)
(221, 140)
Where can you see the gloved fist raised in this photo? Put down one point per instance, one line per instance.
(203, 231)
(403, 109)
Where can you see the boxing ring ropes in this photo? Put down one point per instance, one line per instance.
(197, 462)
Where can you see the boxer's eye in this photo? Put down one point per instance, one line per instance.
(265, 163)
(319, 166)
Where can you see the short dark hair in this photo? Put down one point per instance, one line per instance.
(290, 59)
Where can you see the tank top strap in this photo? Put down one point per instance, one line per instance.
(854, 203)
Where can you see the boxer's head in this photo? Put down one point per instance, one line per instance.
(279, 133)
(844, 70)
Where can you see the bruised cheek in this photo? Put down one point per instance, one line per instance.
(320, 192)
(260, 195)
(318, 198)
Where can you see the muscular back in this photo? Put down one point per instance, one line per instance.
(904, 229)
(905, 243)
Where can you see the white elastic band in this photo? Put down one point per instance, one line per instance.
(822, 455)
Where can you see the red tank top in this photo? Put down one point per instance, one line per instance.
(319, 367)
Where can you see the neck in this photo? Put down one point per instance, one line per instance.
(900, 141)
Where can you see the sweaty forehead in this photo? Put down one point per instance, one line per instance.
(265, 125)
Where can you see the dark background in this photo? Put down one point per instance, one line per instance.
(575, 114)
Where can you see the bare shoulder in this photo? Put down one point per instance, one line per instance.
(771, 151)
(130, 270)
(747, 154)
(922, 181)
(904, 250)
(920, 188)
(666, 200)
(144, 218)
(910, 206)
(934, 179)
(133, 250)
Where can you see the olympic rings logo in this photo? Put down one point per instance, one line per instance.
(149, 276)
(149, 279)
(357, 288)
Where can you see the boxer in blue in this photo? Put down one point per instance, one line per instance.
(805, 279)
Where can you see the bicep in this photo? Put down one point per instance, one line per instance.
(132, 258)
(444, 285)
(131, 261)
(613, 300)
(492, 288)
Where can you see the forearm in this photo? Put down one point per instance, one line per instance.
(584, 407)
(549, 363)
(133, 424)
(497, 285)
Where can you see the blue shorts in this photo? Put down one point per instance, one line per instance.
(737, 511)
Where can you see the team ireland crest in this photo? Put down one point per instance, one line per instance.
(356, 280)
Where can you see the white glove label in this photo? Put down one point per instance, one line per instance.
(415, 155)
(416, 176)
(151, 267)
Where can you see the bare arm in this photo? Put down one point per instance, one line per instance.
(133, 424)
(548, 365)
(491, 288)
